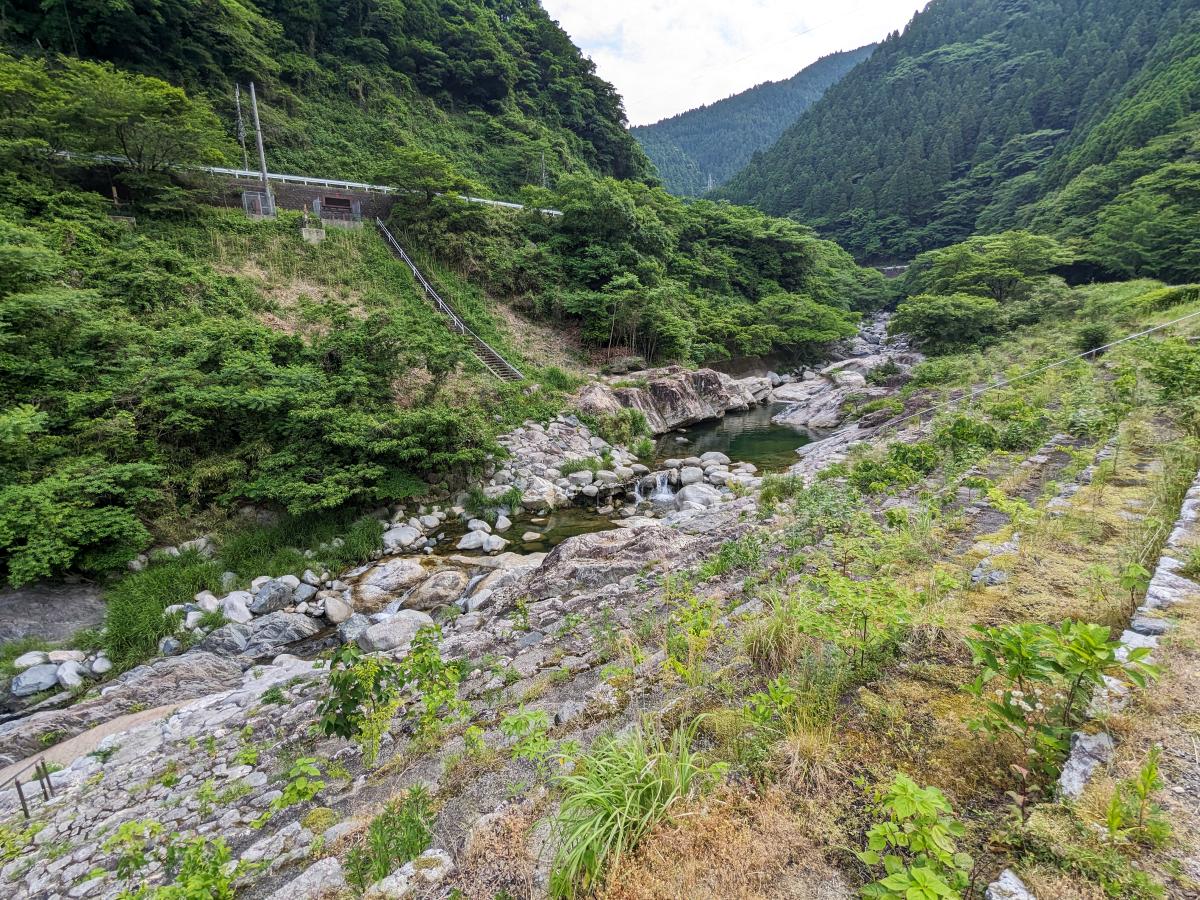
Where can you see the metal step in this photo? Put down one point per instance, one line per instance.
(488, 357)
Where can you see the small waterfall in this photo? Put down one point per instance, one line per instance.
(461, 602)
(662, 488)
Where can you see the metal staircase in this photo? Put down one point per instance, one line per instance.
(491, 360)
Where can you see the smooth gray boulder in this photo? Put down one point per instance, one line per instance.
(702, 494)
(322, 879)
(337, 610)
(71, 675)
(691, 475)
(35, 679)
(31, 659)
(472, 540)
(394, 634)
(354, 626)
(236, 606)
(401, 536)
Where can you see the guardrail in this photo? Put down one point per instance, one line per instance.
(43, 778)
(305, 180)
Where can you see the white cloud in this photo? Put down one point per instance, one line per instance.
(666, 56)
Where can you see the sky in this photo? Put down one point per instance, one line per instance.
(667, 56)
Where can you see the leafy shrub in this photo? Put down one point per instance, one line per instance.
(916, 844)
(84, 514)
(1036, 680)
(397, 835)
(366, 691)
(961, 433)
(616, 794)
(744, 553)
(1165, 298)
(1092, 336)
(883, 372)
(904, 465)
(779, 487)
(1132, 813)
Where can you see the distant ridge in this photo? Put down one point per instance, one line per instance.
(703, 148)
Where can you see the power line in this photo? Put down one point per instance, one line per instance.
(1052, 365)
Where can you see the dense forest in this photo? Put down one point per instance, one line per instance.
(1073, 117)
(493, 84)
(703, 148)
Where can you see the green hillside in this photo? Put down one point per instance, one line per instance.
(494, 85)
(1076, 117)
(703, 148)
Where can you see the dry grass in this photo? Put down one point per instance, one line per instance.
(497, 857)
(735, 846)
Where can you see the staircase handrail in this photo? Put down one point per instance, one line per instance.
(456, 323)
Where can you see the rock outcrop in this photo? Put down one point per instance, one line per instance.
(673, 396)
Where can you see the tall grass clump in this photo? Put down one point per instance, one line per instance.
(614, 796)
(134, 620)
(779, 640)
(337, 539)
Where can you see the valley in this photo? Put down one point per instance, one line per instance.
(506, 521)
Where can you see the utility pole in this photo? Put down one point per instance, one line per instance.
(543, 169)
(262, 155)
(241, 126)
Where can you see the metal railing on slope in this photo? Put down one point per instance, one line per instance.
(42, 770)
(484, 352)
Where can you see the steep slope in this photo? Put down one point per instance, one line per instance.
(703, 148)
(493, 85)
(980, 109)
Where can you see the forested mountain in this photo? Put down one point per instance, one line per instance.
(494, 85)
(703, 148)
(1076, 117)
(165, 367)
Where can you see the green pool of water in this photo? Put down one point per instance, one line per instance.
(748, 436)
(555, 527)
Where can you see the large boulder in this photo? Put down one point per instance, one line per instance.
(589, 561)
(383, 582)
(401, 537)
(440, 589)
(337, 610)
(235, 606)
(228, 640)
(674, 396)
(703, 494)
(273, 632)
(35, 679)
(272, 596)
(542, 494)
(395, 633)
(472, 540)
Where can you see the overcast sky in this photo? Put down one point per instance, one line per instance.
(666, 56)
